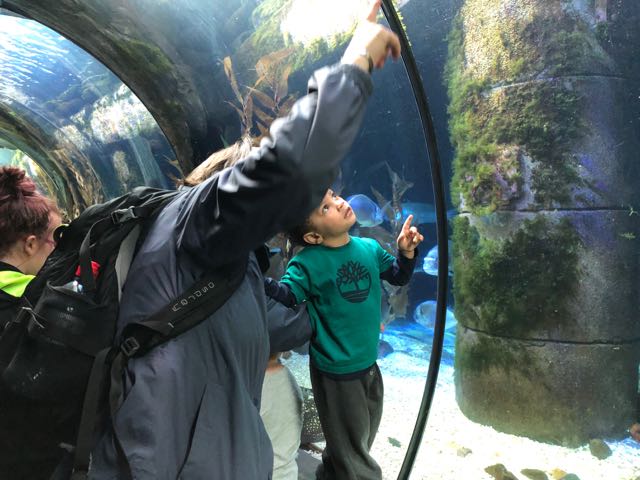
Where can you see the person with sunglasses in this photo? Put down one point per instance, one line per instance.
(27, 223)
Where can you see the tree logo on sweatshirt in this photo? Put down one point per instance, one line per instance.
(354, 282)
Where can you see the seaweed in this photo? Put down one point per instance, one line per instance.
(515, 285)
(269, 96)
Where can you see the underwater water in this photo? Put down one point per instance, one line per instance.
(71, 123)
(536, 110)
(539, 368)
(453, 446)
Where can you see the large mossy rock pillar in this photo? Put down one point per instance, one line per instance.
(545, 121)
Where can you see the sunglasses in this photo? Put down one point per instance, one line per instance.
(56, 235)
(58, 232)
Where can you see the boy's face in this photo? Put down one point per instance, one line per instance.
(333, 218)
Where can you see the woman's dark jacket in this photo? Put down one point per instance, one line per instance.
(29, 447)
(191, 408)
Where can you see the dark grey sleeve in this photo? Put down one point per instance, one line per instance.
(279, 291)
(288, 327)
(401, 271)
(279, 183)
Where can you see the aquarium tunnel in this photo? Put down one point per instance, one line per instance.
(510, 129)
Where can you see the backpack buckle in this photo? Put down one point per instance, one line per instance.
(123, 215)
(130, 346)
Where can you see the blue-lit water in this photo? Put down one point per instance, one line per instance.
(411, 338)
(76, 104)
(78, 114)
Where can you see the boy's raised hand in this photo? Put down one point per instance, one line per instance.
(409, 238)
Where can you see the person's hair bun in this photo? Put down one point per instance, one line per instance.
(14, 184)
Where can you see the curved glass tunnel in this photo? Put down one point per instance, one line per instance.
(71, 122)
(536, 106)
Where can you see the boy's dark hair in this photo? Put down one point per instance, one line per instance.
(296, 234)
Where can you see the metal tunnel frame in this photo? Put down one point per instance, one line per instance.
(441, 232)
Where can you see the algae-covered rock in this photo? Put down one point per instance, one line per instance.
(599, 449)
(546, 131)
(534, 474)
(500, 472)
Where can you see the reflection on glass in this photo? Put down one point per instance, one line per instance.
(75, 119)
(17, 158)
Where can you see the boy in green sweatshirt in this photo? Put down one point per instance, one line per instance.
(338, 275)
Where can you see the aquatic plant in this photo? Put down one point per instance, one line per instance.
(520, 76)
(270, 90)
(81, 179)
(123, 170)
(518, 284)
(485, 355)
(143, 55)
(66, 164)
(393, 208)
(508, 95)
(179, 175)
(397, 297)
(41, 178)
(269, 37)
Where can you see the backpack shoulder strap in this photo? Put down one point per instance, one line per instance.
(183, 313)
(127, 218)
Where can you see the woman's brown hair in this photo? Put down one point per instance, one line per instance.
(218, 161)
(24, 210)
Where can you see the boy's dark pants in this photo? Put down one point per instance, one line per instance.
(350, 413)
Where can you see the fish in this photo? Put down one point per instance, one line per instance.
(393, 209)
(500, 472)
(422, 212)
(430, 263)
(384, 237)
(384, 348)
(425, 315)
(394, 442)
(368, 214)
(398, 299)
(311, 428)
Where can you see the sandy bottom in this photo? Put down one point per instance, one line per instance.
(455, 448)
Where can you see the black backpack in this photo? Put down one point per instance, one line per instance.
(62, 347)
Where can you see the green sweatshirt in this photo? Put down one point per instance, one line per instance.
(342, 288)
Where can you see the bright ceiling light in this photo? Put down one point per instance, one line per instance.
(309, 20)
